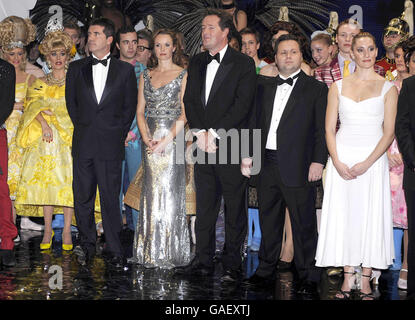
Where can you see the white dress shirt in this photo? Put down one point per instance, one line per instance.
(352, 64)
(282, 95)
(99, 76)
(211, 70)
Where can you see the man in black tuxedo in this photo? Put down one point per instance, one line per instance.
(101, 97)
(219, 96)
(405, 135)
(290, 111)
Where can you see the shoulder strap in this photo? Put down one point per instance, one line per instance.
(182, 73)
(146, 74)
(339, 84)
(386, 86)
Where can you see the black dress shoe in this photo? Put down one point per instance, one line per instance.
(117, 262)
(259, 282)
(195, 268)
(230, 275)
(283, 266)
(85, 256)
(7, 258)
(410, 296)
(308, 289)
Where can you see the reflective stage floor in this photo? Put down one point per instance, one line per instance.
(56, 275)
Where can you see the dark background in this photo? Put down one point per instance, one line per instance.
(376, 14)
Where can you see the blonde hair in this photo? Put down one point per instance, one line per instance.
(350, 22)
(16, 32)
(53, 40)
(361, 35)
(15, 29)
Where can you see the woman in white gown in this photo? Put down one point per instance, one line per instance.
(356, 224)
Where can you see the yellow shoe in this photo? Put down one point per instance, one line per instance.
(334, 271)
(67, 247)
(46, 246)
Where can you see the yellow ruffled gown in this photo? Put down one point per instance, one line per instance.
(46, 173)
(15, 153)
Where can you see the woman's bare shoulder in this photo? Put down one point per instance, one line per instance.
(270, 70)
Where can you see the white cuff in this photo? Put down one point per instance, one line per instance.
(197, 133)
(212, 131)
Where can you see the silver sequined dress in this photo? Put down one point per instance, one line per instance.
(162, 236)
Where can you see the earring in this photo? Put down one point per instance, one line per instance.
(48, 64)
(66, 65)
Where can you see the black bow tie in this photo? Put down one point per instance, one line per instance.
(288, 81)
(215, 57)
(103, 61)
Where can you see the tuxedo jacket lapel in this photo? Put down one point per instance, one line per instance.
(223, 70)
(110, 79)
(294, 96)
(87, 73)
(268, 102)
(203, 67)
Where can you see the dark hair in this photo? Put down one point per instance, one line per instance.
(292, 29)
(251, 31)
(286, 37)
(109, 27)
(283, 25)
(401, 45)
(146, 34)
(71, 24)
(408, 47)
(225, 19)
(177, 54)
(235, 35)
(124, 30)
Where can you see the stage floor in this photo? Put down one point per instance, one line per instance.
(57, 275)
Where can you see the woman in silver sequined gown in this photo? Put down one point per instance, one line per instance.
(162, 237)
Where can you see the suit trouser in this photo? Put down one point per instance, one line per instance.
(273, 198)
(8, 230)
(87, 174)
(213, 181)
(410, 205)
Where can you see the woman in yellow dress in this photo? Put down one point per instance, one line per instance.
(15, 34)
(45, 134)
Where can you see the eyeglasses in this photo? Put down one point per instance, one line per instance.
(142, 48)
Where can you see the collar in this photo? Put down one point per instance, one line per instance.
(222, 52)
(343, 59)
(105, 57)
(291, 75)
(389, 60)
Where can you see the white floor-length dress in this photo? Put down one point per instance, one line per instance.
(356, 223)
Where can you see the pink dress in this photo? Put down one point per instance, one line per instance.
(400, 219)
